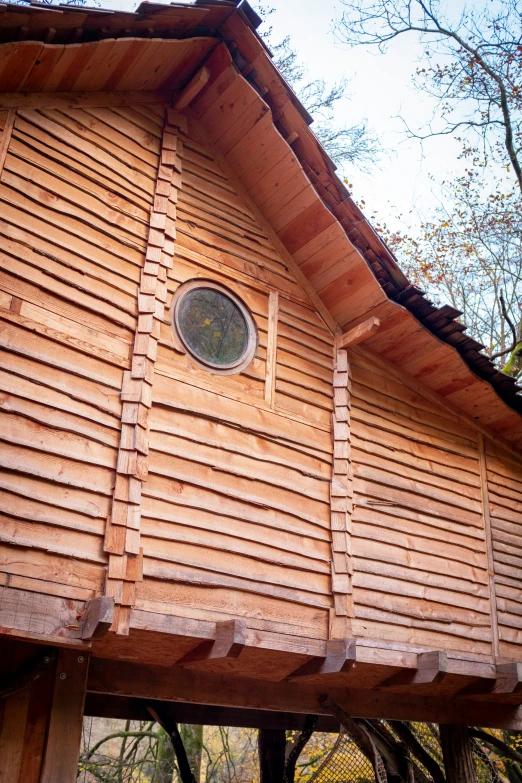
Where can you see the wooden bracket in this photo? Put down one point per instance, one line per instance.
(508, 680)
(192, 89)
(227, 646)
(340, 657)
(359, 333)
(432, 667)
(97, 617)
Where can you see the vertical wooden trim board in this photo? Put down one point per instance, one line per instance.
(489, 544)
(271, 349)
(122, 537)
(341, 499)
(5, 137)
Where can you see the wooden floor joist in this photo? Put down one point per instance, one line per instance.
(120, 678)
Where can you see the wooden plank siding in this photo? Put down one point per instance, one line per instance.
(75, 193)
(504, 487)
(235, 511)
(234, 515)
(419, 550)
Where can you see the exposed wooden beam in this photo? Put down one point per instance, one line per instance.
(125, 708)
(200, 687)
(359, 333)
(227, 646)
(97, 617)
(23, 610)
(432, 667)
(508, 680)
(340, 657)
(192, 89)
(72, 100)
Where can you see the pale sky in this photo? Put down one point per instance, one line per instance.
(380, 90)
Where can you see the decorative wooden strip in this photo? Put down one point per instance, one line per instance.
(6, 136)
(271, 351)
(489, 544)
(341, 492)
(122, 536)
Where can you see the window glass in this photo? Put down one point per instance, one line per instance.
(213, 326)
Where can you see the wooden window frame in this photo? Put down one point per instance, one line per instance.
(216, 369)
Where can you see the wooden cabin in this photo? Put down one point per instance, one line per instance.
(244, 462)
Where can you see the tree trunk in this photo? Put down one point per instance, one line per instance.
(165, 759)
(293, 750)
(271, 745)
(457, 754)
(192, 737)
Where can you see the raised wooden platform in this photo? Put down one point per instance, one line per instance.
(227, 665)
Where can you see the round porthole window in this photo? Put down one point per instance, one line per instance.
(214, 326)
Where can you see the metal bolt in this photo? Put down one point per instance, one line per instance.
(81, 659)
(63, 675)
(46, 659)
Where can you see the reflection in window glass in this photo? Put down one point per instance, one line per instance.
(212, 327)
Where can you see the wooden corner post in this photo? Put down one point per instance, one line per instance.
(341, 494)
(42, 697)
(122, 537)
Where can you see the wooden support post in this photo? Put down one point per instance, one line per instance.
(432, 667)
(60, 762)
(272, 747)
(41, 712)
(457, 754)
(340, 657)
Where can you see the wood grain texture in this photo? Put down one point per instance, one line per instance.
(406, 456)
(341, 498)
(237, 497)
(503, 486)
(73, 240)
